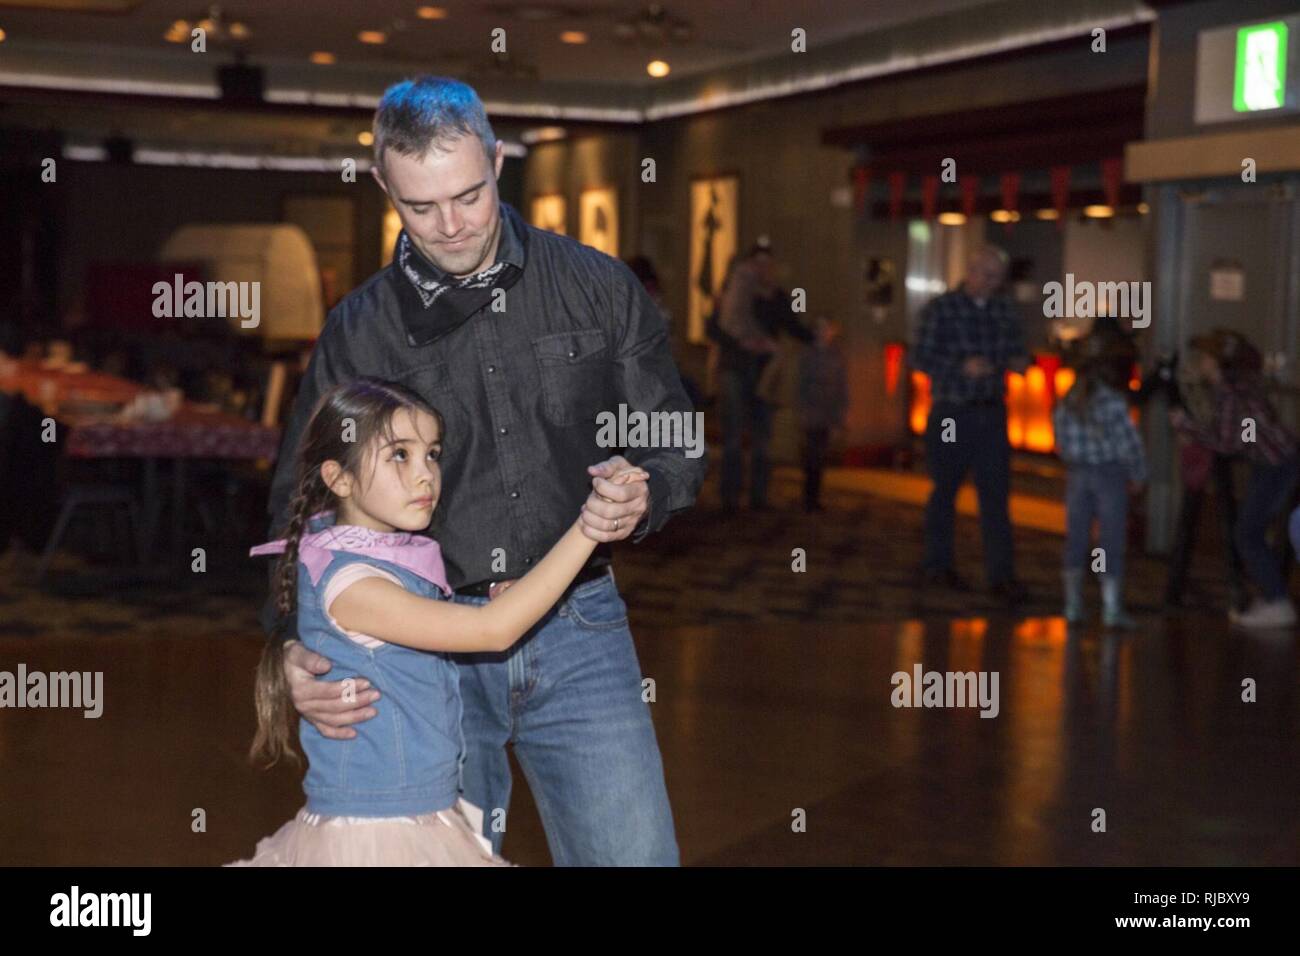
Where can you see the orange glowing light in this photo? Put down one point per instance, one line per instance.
(1030, 398)
(893, 366)
(920, 402)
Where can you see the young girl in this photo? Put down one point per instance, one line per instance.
(372, 597)
(1245, 423)
(1097, 439)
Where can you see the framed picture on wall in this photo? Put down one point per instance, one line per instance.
(331, 224)
(549, 212)
(598, 219)
(714, 228)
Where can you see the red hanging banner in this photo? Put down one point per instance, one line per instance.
(929, 195)
(1112, 175)
(1010, 184)
(1060, 193)
(861, 186)
(970, 191)
(897, 183)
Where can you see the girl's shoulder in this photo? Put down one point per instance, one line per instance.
(413, 560)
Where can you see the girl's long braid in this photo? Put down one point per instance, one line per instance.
(307, 500)
(275, 714)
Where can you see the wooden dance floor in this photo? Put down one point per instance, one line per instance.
(773, 697)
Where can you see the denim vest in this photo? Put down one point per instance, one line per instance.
(408, 758)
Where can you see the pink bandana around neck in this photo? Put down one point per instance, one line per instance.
(419, 555)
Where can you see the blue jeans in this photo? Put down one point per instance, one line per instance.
(568, 696)
(1268, 492)
(981, 445)
(740, 406)
(1101, 492)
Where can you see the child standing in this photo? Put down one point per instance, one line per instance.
(1097, 440)
(372, 596)
(823, 401)
(1245, 423)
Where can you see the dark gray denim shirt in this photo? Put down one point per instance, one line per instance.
(519, 391)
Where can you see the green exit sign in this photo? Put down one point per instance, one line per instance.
(1261, 68)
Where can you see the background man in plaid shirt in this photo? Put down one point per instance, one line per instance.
(967, 340)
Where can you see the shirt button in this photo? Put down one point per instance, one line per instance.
(528, 560)
(514, 494)
(572, 354)
(503, 429)
(492, 368)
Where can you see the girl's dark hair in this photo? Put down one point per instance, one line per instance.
(344, 424)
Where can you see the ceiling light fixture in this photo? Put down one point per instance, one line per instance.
(657, 68)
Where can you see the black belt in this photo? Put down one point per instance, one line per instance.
(480, 588)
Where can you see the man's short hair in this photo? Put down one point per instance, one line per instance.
(417, 115)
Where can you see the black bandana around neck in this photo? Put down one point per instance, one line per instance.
(435, 303)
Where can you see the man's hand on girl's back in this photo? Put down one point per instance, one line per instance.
(330, 706)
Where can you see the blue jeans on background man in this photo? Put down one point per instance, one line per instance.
(741, 406)
(1268, 492)
(1101, 492)
(980, 444)
(568, 696)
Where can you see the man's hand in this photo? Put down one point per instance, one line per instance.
(976, 366)
(611, 502)
(330, 706)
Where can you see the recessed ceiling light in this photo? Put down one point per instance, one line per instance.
(2, 36)
(372, 36)
(657, 68)
(1047, 214)
(323, 57)
(1005, 215)
(1098, 212)
(431, 13)
(239, 31)
(366, 138)
(573, 36)
(952, 219)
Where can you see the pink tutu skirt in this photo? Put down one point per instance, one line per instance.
(451, 837)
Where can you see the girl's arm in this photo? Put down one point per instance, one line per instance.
(384, 610)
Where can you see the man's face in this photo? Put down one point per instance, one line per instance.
(985, 274)
(448, 204)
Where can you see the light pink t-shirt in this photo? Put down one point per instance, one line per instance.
(344, 579)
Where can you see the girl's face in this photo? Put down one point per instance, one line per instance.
(400, 481)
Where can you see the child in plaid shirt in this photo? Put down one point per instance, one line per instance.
(1097, 439)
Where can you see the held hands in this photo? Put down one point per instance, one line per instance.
(620, 495)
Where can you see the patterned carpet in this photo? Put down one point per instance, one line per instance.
(703, 569)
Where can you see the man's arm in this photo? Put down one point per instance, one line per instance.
(646, 379)
(933, 353)
(1016, 357)
(783, 318)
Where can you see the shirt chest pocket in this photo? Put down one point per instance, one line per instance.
(431, 382)
(575, 373)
